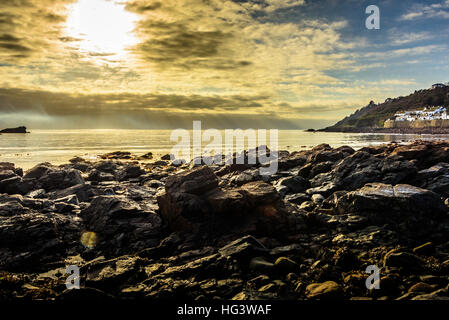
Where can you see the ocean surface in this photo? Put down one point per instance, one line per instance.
(59, 146)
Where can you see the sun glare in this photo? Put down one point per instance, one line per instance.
(103, 27)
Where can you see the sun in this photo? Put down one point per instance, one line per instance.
(102, 27)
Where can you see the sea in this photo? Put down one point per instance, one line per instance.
(59, 146)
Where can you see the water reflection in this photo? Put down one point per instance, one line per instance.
(58, 146)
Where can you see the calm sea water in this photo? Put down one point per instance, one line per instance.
(58, 146)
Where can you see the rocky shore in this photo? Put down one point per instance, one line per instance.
(162, 230)
(404, 130)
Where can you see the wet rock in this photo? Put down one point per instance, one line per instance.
(244, 177)
(286, 265)
(243, 248)
(422, 288)
(323, 291)
(383, 203)
(294, 184)
(30, 241)
(99, 176)
(117, 155)
(14, 130)
(166, 157)
(193, 201)
(317, 198)
(15, 185)
(362, 167)
(122, 224)
(84, 294)
(297, 198)
(368, 237)
(7, 166)
(394, 259)
(10, 206)
(52, 178)
(196, 182)
(110, 275)
(441, 294)
(260, 192)
(37, 194)
(83, 192)
(130, 172)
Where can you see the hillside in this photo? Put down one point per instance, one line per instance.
(373, 116)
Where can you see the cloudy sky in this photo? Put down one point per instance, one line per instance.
(230, 63)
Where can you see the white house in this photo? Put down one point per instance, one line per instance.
(439, 113)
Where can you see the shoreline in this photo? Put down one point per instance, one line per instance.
(155, 230)
(427, 131)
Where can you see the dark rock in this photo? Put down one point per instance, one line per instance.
(83, 295)
(295, 184)
(408, 261)
(383, 203)
(243, 248)
(30, 241)
(166, 157)
(15, 185)
(286, 265)
(117, 155)
(82, 191)
(99, 176)
(14, 130)
(196, 182)
(298, 198)
(52, 178)
(260, 192)
(328, 290)
(7, 166)
(130, 172)
(122, 224)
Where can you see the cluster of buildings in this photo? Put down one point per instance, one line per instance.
(440, 85)
(438, 113)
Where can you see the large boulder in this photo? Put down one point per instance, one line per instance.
(15, 185)
(383, 203)
(363, 167)
(435, 178)
(51, 178)
(192, 200)
(294, 184)
(30, 241)
(197, 181)
(121, 224)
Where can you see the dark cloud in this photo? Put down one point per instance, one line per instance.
(195, 35)
(177, 43)
(13, 100)
(129, 110)
(143, 6)
(29, 26)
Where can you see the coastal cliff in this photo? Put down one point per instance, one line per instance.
(372, 118)
(163, 230)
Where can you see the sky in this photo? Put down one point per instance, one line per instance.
(160, 64)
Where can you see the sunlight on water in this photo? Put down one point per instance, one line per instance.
(58, 146)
